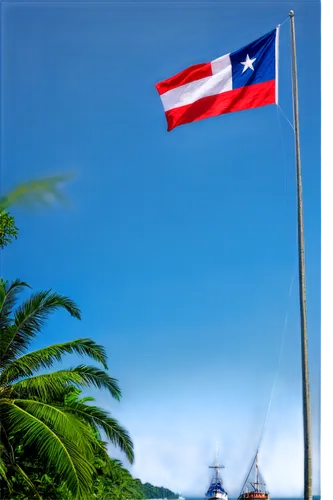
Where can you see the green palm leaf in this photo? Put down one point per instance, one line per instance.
(51, 385)
(60, 420)
(68, 459)
(3, 468)
(26, 479)
(98, 417)
(8, 298)
(28, 364)
(37, 191)
(28, 321)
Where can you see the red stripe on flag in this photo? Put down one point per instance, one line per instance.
(191, 74)
(252, 96)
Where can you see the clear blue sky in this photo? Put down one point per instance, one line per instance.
(179, 247)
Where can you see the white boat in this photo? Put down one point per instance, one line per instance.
(216, 490)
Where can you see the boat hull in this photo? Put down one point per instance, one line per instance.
(217, 496)
(254, 496)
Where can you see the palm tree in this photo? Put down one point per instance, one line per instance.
(41, 412)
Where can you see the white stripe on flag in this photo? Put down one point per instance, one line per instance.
(221, 81)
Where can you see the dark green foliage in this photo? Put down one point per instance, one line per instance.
(8, 230)
(151, 491)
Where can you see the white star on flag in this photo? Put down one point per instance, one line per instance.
(223, 85)
(248, 63)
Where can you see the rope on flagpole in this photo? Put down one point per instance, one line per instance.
(286, 117)
(286, 19)
(284, 330)
(283, 336)
(279, 112)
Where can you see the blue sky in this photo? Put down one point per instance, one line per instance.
(179, 247)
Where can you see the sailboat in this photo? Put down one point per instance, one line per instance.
(255, 486)
(216, 490)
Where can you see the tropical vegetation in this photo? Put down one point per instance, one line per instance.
(52, 436)
(42, 415)
(151, 491)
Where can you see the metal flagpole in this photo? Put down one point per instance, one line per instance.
(301, 260)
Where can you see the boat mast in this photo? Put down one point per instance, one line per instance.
(217, 454)
(216, 466)
(217, 462)
(257, 475)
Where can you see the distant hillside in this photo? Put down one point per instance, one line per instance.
(151, 491)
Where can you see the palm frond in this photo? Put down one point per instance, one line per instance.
(28, 321)
(26, 479)
(4, 472)
(101, 419)
(73, 397)
(8, 298)
(50, 386)
(63, 453)
(42, 191)
(59, 420)
(28, 364)
(3, 468)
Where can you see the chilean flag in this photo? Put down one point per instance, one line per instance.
(244, 79)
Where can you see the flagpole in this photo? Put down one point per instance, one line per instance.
(302, 288)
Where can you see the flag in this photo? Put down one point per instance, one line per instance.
(244, 79)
